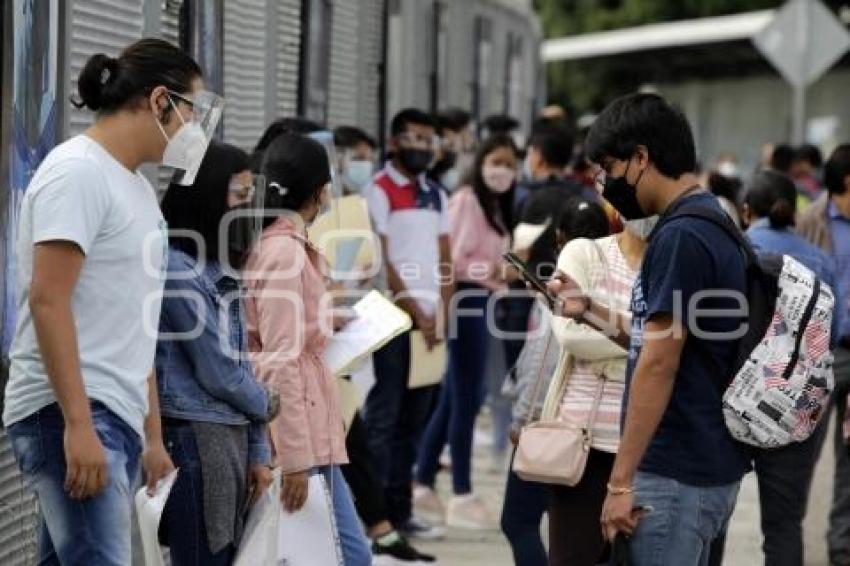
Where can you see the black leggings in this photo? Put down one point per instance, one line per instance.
(575, 534)
(361, 478)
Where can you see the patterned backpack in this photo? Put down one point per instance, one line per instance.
(783, 372)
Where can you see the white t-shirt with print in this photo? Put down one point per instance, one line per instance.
(81, 194)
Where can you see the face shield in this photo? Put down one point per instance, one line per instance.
(242, 225)
(185, 149)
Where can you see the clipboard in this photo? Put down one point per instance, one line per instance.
(426, 367)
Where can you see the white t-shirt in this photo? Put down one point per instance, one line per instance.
(81, 194)
(412, 217)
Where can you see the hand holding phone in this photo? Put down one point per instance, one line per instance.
(526, 274)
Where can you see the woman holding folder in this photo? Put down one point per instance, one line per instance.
(290, 322)
(479, 214)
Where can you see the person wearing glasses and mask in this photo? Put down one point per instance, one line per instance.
(81, 402)
(456, 149)
(410, 215)
(213, 409)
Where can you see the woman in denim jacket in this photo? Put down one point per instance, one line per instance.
(214, 411)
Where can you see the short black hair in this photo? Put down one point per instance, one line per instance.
(782, 157)
(410, 116)
(810, 153)
(581, 217)
(499, 124)
(648, 120)
(299, 166)
(107, 84)
(454, 119)
(772, 195)
(555, 144)
(201, 207)
(350, 136)
(837, 169)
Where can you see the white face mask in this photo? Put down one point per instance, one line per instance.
(498, 178)
(358, 174)
(451, 179)
(186, 149)
(642, 227)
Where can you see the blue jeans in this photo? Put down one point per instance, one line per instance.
(460, 398)
(395, 417)
(684, 520)
(90, 532)
(183, 528)
(522, 514)
(352, 539)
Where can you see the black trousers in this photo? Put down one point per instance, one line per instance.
(575, 534)
(361, 477)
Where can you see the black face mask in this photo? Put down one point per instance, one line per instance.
(623, 196)
(415, 160)
(444, 164)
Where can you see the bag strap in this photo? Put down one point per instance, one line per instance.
(594, 412)
(539, 381)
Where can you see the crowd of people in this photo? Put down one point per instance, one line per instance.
(189, 332)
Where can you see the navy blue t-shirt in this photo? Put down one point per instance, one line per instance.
(686, 256)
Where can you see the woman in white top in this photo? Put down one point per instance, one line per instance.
(588, 387)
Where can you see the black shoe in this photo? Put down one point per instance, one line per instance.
(418, 529)
(393, 549)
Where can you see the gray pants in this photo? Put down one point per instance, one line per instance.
(838, 537)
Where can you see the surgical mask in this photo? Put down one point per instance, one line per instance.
(358, 173)
(642, 227)
(623, 196)
(185, 150)
(451, 178)
(416, 161)
(498, 178)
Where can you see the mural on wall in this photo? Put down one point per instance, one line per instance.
(33, 126)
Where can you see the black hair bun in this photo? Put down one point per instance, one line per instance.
(781, 214)
(94, 81)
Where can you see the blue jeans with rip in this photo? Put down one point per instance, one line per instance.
(352, 538)
(88, 532)
(683, 522)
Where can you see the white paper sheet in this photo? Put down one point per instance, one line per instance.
(377, 322)
(149, 510)
(308, 537)
(427, 367)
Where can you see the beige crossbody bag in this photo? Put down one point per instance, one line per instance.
(550, 451)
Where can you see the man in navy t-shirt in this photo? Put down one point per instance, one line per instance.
(676, 476)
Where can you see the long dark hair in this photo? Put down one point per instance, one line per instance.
(201, 207)
(773, 195)
(498, 209)
(108, 84)
(296, 169)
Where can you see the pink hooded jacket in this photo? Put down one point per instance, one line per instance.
(289, 321)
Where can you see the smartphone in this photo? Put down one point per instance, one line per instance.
(530, 278)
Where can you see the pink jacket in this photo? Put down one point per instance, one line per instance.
(476, 247)
(289, 321)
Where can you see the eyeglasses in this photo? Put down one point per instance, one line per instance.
(182, 98)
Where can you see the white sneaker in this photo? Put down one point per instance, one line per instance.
(427, 506)
(469, 512)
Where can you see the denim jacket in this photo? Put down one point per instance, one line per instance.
(202, 370)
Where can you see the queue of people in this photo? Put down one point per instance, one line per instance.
(190, 333)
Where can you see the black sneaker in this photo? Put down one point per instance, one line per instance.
(394, 550)
(418, 529)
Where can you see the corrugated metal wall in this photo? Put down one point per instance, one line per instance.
(18, 513)
(345, 31)
(288, 50)
(245, 72)
(98, 26)
(370, 49)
